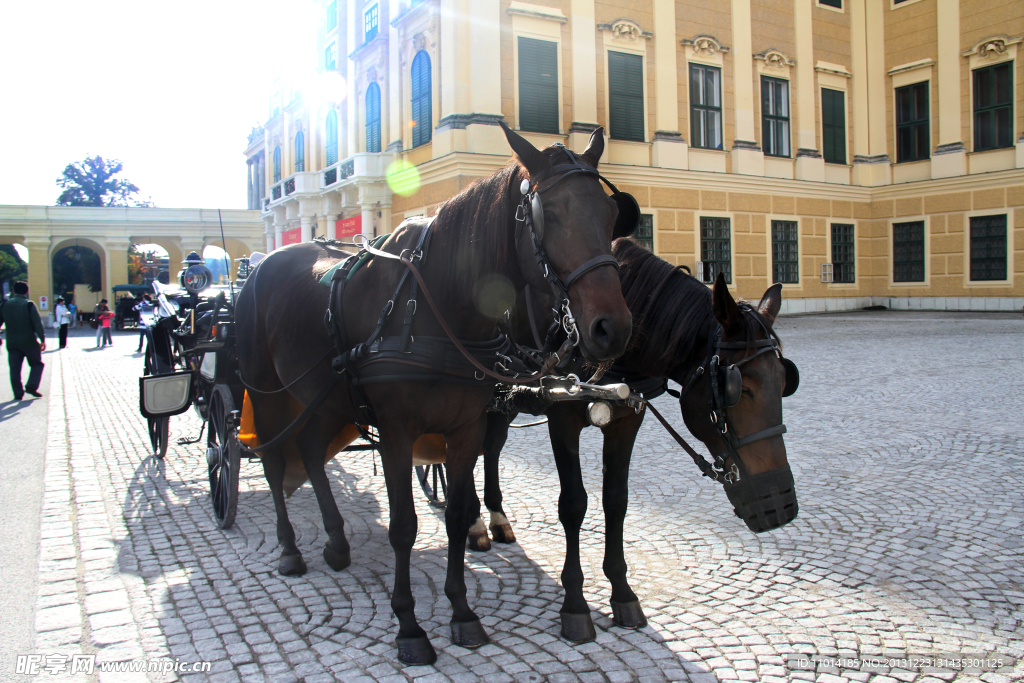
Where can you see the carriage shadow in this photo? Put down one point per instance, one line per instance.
(221, 594)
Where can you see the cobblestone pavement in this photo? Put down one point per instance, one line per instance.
(906, 441)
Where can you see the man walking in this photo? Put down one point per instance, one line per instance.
(23, 327)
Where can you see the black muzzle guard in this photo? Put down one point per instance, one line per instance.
(764, 501)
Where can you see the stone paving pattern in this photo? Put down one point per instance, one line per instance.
(907, 445)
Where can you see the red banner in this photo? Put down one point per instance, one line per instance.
(291, 237)
(349, 227)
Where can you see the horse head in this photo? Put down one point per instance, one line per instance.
(735, 408)
(563, 242)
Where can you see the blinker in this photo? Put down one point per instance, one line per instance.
(792, 377)
(732, 385)
(629, 215)
(537, 213)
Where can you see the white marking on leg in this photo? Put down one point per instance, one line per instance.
(497, 518)
(478, 527)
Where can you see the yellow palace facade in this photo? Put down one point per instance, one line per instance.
(858, 151)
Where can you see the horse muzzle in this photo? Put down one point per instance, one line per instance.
(764, 501)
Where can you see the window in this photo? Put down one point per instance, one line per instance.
(331, 56)
(331, 130)
(625, 96)
(838, 4)
(706, 106)
(833, 126)
(332, 15)
(842, 253)
(715, 248)
(370, 24)
(775, 118)
(993, 107)
(300, 152)
(988, 247)
(373, 118)
(644, 235)
(908, 252)
(422, 117)
(277, 164)
(785, 253)
(538, 85)
(913, 142)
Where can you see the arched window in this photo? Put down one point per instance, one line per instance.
(300, 152)
(332, 137)
(277, 164)
(421, 110)
(373, 118)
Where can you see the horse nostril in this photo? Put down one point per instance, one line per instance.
(601, 333)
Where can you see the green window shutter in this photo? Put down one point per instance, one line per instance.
(538, 85)
(373, 118)
(625, 96)
(421, 94)
(833, 126)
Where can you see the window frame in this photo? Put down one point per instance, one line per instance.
(372, 88)
(331, 137)
(614, 101)
(918, 122)
(706, 109)
(1005, 259)
(422, 134)
(777, 263)
(838, 4)
(834, 128)
(534, 80)
(332, 16)
(642, 239)
(371, 22)
(727, 261)
(782, 121)
(331, 56)
(978, 130)
(300, 152)
(905, 261)
(277, 164)
(839, 267)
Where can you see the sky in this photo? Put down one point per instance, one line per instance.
(170, 89)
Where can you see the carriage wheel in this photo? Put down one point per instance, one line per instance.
(159, 430)
(222, 456)
(433, 473)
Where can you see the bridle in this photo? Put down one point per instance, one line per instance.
(724, 392)
(530, 214)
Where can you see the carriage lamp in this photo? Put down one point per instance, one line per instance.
(599, 413)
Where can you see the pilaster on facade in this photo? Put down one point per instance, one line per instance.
(583, 32)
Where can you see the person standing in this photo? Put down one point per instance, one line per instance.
(145, 309)
(106, 315)
(63, 318)
(23, 328)
(73, 310)
(100, 307)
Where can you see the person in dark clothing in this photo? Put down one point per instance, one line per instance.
(20, 316)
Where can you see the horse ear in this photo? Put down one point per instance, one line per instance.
(771, 302)
(724, 306)
(529, 156)
(595, 148)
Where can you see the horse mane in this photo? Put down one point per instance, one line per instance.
(672, 329)
(475, 229)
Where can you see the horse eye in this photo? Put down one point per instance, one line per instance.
(748, 392)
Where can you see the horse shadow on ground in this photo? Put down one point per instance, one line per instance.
(219, 597)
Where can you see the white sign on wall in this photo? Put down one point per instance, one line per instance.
(44, 303)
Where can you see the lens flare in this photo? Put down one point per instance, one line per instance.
(403, 178)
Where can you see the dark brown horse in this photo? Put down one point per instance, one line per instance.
(474, 256)
(674, 317)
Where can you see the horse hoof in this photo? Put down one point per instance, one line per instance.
(478, 542)
(502, 533)
(335, 560)
(579, 628)
(628, 614)
(291, 565)
(415, 650)
(469, 634)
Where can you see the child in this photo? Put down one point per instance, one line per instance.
(105, 317)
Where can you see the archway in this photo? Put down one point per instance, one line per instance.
(13, 266)
(77, 267)
(148, 263)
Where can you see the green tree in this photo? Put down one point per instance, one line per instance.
(91, 182)
(12, 268)
(76, 265)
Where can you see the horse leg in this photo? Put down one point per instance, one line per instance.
(291, 562)
(396, 457)
(462, 509)
(494, 441)
(565, 422)
(618, 448)
(313, 440)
